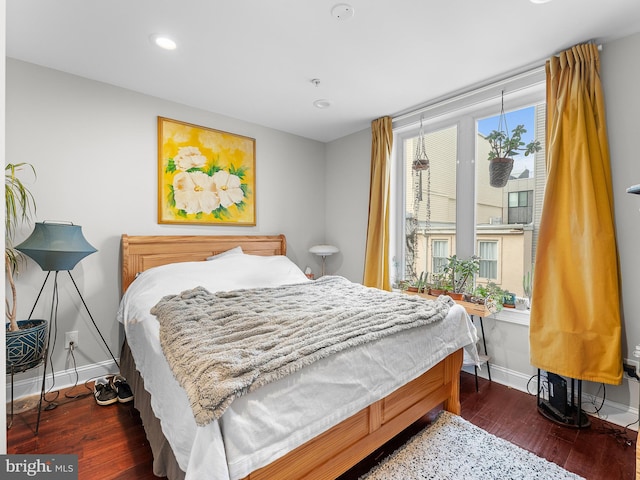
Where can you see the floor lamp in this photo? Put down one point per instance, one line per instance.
(323, 251)
(57, 247)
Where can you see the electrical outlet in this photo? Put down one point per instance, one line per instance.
(71, 337)
(634, 364)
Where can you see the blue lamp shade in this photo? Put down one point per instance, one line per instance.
(56, 246)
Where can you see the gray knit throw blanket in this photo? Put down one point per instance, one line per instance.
(223, 345)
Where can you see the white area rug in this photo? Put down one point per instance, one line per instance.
(454, 449)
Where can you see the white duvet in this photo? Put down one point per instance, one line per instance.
(264, 425)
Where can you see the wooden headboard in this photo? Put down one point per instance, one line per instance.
(139, 253)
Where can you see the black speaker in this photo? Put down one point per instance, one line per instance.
(558, 394)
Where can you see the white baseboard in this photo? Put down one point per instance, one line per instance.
(67, 378)
(613, 412)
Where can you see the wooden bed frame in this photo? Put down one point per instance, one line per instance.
(347, 443)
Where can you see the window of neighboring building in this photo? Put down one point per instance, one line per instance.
(440, 255)
(488, 253)
(521, 207)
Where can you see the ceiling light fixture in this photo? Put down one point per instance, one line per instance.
(539, 1)
(342, 11)
(163, 41)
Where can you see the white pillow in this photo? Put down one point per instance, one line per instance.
(234, 251)
(230, 272)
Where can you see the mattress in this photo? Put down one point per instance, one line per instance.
(271, 421)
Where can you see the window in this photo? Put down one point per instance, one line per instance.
(440, 255)
(488, 253)
(520, 207)
(453, 209)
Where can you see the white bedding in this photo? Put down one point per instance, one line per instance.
(262, 426)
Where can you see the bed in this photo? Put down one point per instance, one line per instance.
(315, 423)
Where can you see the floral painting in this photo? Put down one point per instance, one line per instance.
(206, 176)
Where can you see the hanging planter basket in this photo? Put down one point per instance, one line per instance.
(500, 171)
(420, 165)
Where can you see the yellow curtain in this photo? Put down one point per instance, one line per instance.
(376, 262)
(575, 326)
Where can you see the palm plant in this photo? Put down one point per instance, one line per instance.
(20, 207)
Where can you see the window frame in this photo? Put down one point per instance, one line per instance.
(464, 110)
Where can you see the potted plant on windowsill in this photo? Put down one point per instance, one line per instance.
(439, 284)
(502, 149)
(491, 295)
(419, 285)
(25, 339)
(461, 274)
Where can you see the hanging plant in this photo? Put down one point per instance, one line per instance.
(419, 166)
(422, 164)
(503, 146)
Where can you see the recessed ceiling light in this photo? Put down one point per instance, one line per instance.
(342, 11)
(163, 41)
(539, 1)
(322, 103)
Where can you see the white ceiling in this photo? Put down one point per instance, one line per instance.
(254, 59)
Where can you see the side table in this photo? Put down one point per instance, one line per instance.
(473, 310)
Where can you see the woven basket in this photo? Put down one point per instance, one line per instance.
(499, 171)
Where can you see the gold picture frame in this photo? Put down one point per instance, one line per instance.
(205, 176)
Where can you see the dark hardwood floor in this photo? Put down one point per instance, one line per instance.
(111, 444)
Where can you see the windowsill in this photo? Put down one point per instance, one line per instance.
(511, 315)
(508, 315)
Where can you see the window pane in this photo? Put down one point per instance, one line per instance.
(510, 213)
(430, 201)
(513, 199)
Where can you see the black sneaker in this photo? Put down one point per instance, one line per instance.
(122, 388)
(104, 392)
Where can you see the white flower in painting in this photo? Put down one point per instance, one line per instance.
(189, 157)
(195, 192)
(228, 186)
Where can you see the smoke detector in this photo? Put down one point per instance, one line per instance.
(342, 11)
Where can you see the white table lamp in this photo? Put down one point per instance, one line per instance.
(323, 251)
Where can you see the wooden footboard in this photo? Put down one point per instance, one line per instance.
(343, 446)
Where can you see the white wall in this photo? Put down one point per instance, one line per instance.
(620, 71)
(347, 202)
(94, 147)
